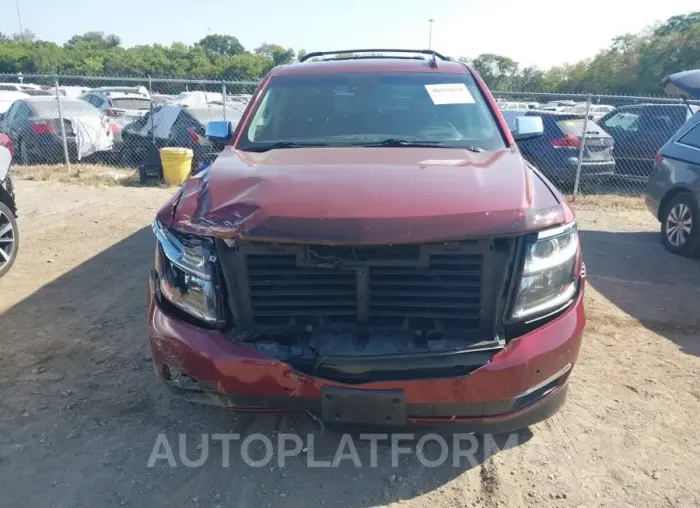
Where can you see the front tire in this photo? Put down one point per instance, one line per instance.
(9, 239)
(680, 225)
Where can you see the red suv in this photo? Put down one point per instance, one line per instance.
(372, 247)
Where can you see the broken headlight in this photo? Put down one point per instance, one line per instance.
(186, 268)
(549, 279)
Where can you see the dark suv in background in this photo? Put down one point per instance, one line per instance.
(556, 153)
(639, 131)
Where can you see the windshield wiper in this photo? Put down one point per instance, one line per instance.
(396, 142)
(280, 145)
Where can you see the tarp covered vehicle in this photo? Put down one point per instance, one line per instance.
(373, 248)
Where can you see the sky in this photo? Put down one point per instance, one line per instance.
(542, 33)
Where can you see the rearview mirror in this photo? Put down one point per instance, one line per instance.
(220, 131)
(527, 127)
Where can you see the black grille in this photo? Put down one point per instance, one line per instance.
(434, 288)
(446, 294)
(283, 293)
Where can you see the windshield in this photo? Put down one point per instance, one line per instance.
(363, 108)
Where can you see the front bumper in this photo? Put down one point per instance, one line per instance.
(524, 383)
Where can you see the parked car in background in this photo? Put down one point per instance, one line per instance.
(121, 107)
(175, 125)
(33, 125)
(557, 105)
(595, 112)
(515, 105)
(673, 190)
(8, 98)
(18, 87)
(160, 99)
(9, 233)
(138, 90)
(639, 132)
(39, 93)
(72, 92)
(556, 153)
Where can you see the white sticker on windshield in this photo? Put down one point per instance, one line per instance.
(450, 93)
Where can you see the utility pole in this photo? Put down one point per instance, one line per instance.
(430, 34)
(19, 18)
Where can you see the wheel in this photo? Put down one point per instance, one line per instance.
(9, 239)
(680, 225)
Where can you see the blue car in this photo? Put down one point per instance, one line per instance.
(556, 152)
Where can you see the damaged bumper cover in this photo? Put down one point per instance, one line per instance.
(519, 385)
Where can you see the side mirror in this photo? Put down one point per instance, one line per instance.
(220, 131)
(527, 127)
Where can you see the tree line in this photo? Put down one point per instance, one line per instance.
(97, 54)
(632, 64)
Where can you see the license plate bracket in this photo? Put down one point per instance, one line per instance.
(373, 407)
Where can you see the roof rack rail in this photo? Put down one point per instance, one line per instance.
(356, 51)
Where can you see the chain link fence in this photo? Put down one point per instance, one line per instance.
(593, 143)
(596, 143)
(112, 121)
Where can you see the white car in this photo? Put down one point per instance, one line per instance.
(7, 98)
(18, 87)
(121, 104)
(514, 105)
(596, 111)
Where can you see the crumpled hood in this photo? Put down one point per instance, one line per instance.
(364, 196)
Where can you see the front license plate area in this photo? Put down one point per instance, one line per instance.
(373, 407)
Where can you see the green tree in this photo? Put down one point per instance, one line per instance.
(25, 36)
(497, 70)
(631, 64)
(225, 45)
(93, 41)
(276, 53)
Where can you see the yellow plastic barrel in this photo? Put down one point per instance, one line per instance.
(177, 163)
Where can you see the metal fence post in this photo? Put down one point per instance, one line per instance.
(223, 97)
(583, 145)
(150, 116)
(63, 127)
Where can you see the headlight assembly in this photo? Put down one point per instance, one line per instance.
(186, 273)
(548, 279)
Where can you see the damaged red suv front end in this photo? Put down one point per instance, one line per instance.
(372, 248)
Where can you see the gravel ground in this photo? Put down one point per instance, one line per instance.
(81, 409)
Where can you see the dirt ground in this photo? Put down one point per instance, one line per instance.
(80, 408)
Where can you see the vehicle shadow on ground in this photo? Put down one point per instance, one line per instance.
(75, 371)
(655, 287)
